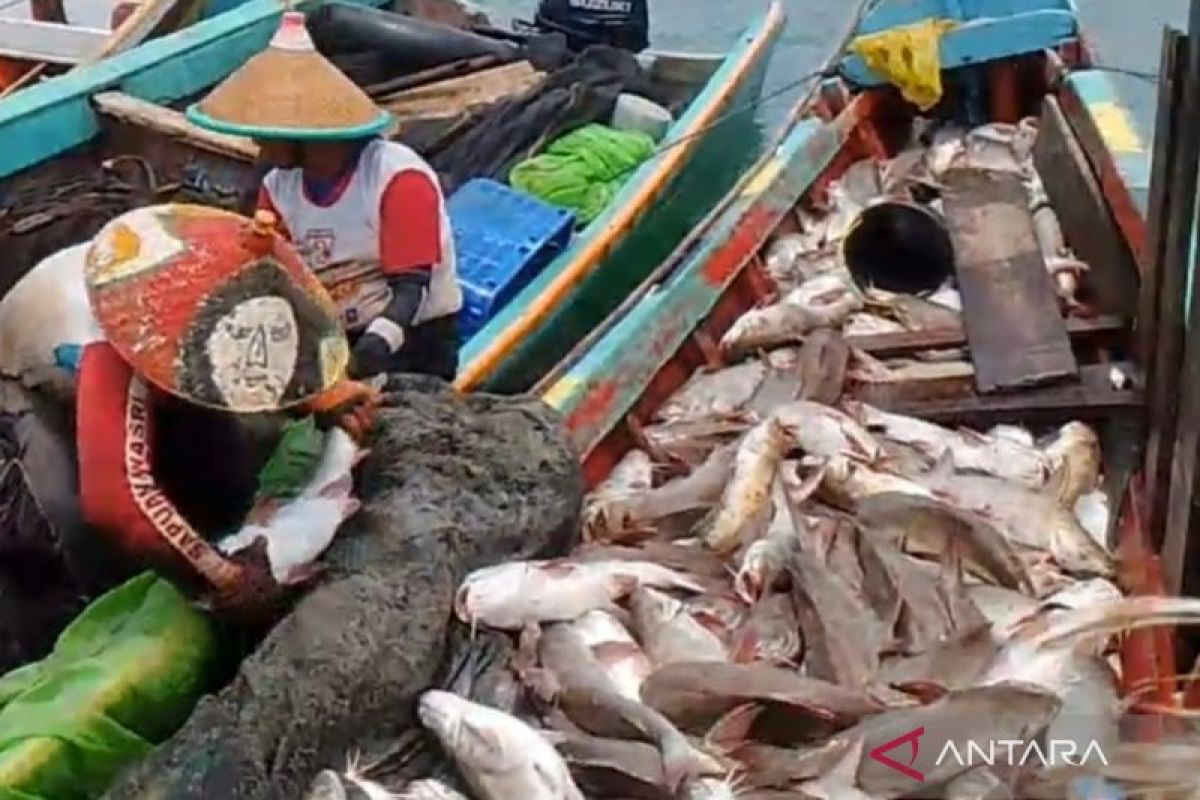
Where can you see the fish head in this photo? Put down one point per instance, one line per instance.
(469, 732)
(756, 569)
(487, 591)
(651, 607)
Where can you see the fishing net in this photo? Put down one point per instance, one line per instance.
(908, 57)
(451, 483)
(584, 170)
(121, 678)
(40, 590)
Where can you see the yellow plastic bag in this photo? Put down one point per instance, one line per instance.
(908, 57)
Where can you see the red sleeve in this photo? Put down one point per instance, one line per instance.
(118, 494)
(265, 203)
(410, 223)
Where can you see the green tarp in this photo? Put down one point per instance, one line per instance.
(122, 678)
(583, 170)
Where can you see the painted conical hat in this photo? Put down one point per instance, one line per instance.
(215, 308)
(290, 91)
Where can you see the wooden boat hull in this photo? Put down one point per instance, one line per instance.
(651, 214)
(53, 132)
(650, 350)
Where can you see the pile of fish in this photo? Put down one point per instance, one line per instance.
(779, 598)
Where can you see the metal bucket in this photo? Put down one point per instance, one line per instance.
(899, 247)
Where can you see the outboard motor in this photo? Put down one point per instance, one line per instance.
(619, 23)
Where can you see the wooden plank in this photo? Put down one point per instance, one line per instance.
(49, 42)
(1101, 331)
(171, 123)
(1087, 222)
(450, 98)
(1171, 446)
(1170, 100)
(1017, 335)
(1092, 398)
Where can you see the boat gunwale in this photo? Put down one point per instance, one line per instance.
(43, 122)
(483, 355)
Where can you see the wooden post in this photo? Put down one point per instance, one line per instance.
(1178, 419)
(1176, 190)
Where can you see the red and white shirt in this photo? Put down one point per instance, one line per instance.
(386, 217)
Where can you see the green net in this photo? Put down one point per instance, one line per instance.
(583, 170)
(122, 678)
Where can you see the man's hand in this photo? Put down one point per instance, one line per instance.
(350, 405)
(256, 599)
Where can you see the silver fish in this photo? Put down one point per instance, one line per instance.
(725, 391)
(498, 755)
(745, 506)
(629, 517)
(514, 595)
(669, 634)
(824, 431)
(845, 483)
(1026, 517)
(823, 302)
(913, 313)
(617, 652)
(863, 324)
(1075, 459)
(969, 451)
(593, 704)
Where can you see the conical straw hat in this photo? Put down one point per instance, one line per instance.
(215, 308)
(290, 91)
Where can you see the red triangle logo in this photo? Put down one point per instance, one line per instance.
(912, 738)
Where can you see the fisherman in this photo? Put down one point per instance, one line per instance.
(618, 23)
(185, 333)
(367, 214)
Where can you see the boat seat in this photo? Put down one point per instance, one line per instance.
(169, 122)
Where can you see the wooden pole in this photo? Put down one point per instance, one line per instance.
(1177, 423)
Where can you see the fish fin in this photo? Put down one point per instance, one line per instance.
(733, 729)
(943, 466)
(527, 646)
(304, 575)
(542, 683)
(710, 622)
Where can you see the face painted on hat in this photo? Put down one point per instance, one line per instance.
(253, 350)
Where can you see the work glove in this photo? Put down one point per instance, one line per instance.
(370, 356)
(350, 405)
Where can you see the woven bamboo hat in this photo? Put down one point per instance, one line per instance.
(290, 91)
(215, 308)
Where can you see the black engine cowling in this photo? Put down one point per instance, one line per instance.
(620, 23)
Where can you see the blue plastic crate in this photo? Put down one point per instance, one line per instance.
(503, 239)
